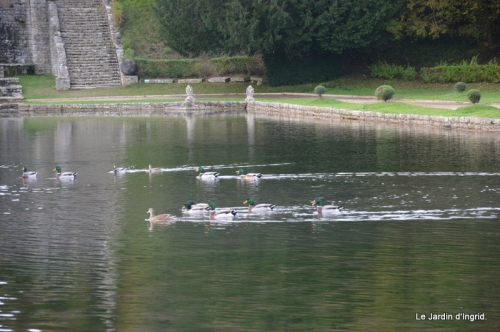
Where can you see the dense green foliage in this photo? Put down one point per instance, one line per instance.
(184, 68)
(294, 28)
(282, 70)
(167, 68)
(474, 19)
(298, 29)
(469, 72)
(384, 92)
(385, 70)
(140, 30)
(236, 65)
(474, 96)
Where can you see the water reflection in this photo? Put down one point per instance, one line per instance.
(418, 232)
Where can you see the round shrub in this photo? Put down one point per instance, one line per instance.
(319, 90)
(384, 92)
(460, 86)
(474, 96)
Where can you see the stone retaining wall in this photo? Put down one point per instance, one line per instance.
(129, 109)
(472, 123)
(181, 108)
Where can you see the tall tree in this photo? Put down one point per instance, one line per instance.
(293, 27)
(342, 25)
(477, 19)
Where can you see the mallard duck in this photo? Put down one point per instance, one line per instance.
(241, 172)
(119, 170)
(259, 208)
(191, 208)
(154, 169)
(219, 214)
(28, 175)
(159, 218)
(325, 208)
(64, 176)
(207, 175)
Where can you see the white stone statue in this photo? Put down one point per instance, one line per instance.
(189, 93)
(250, 91)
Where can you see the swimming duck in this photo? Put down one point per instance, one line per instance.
(154, 169)
(119, 170)
(28, 175)
(191, 208)
(159, 218)
(207, 175)
(241, 172)
(219, 214)
(325, 208)
(64, 176)
(259, 208)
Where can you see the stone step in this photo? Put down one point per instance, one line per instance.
(91, 56)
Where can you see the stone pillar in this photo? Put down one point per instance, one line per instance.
(39, 35)
(2, 72)
(61, 65)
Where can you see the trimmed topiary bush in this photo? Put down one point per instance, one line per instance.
(474, 96)
(320, 90)
(384, 92)
(460, 87)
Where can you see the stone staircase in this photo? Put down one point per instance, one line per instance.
(11, 93)
(90, 52)
(10, 90)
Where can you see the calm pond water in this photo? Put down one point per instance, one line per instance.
(419, 233)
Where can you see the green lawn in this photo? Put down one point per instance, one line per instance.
(43, 87)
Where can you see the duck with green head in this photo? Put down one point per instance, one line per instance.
(219, 214)
(241, 172)
(64, 176)
(28, 175)
(259, 208)
(191, 208)
(206, 175)
(325, 209)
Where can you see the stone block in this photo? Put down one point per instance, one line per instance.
(128, 67)
(240, 79)
(62, 83)
(259, 80)
(219, 79)
(190, 80)
(160, 80)
(127, 80)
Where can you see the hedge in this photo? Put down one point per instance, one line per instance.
(464, 72)
(185, 68)
(236, 65)
(167, 68)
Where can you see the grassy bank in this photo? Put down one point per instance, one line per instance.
(43, 87)
(394, 107)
